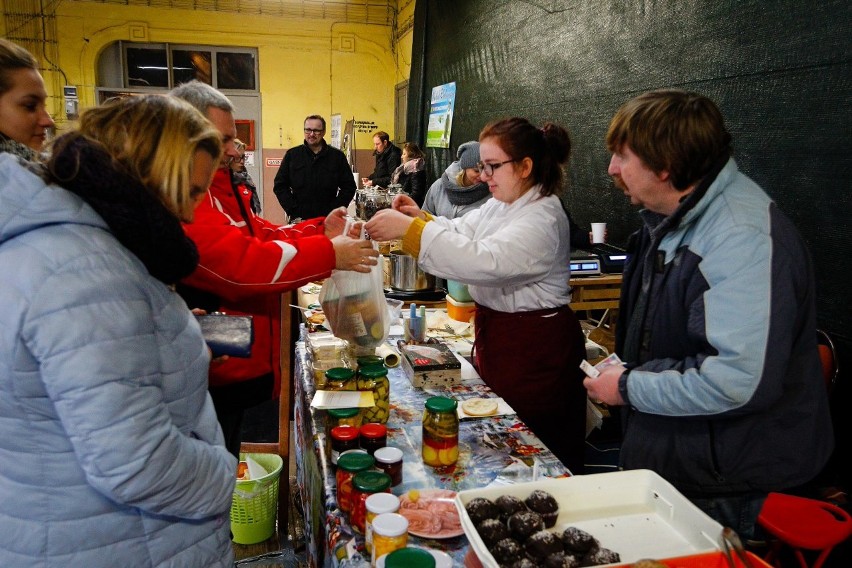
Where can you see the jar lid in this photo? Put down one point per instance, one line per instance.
(389, 524)
(374, 430)
(344, 432)
(371, 481)
(365, 360)
(373, 370)
(339, 374)
(355, 461)
(343, 412)
(409, 558)
(441, 404)
(388, 454)
(382, 503)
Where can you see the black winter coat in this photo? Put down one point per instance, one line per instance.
(310, 185)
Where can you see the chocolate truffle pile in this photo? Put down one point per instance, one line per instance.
(515, 533)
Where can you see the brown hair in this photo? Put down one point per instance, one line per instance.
(383, 136)
(13, 57)
(671, 130)
(315, 117)
(548, 147)
(413, 150)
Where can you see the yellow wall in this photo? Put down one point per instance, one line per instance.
(306, 66)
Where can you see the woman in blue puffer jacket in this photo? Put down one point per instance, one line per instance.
(111, 453)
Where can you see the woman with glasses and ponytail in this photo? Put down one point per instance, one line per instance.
(513, 252)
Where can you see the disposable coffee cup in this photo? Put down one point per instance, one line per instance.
(598, 232)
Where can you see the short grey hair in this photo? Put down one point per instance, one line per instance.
(202, 96)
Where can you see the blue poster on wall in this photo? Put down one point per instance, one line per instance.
(441, 116)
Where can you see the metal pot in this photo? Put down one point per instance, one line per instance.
(406, 276)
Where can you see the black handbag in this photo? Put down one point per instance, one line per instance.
(226, 334)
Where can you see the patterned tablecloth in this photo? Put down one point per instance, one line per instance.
(493, 450)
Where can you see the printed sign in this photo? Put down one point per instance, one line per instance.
(441, 116)
(273, 162)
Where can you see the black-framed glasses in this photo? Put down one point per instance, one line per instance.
(314, 130)
(488, 169)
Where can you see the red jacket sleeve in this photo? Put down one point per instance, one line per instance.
(235, 265)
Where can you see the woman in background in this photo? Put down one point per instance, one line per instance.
(411, 173)
(241, 175)
(24, 121)
(459, 189)
(513, 253)
(112, 454)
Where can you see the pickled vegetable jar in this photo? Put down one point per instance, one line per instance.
(376, 504)
(375, 378)
(440, 432)
(390, 532)
(344, 417)
(347, 466)
(364, 484)
(340, 378)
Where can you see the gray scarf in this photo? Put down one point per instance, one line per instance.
(460, 195)
(9, 146)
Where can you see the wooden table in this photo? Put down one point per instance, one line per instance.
(595, 292)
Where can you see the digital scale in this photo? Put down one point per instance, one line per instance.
(601, 259)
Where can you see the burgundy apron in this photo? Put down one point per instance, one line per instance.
(532, 360)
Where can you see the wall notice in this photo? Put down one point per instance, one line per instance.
(441, 116)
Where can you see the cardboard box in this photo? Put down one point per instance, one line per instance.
(430, 364)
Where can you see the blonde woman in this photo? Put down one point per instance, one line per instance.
(24, 121)
(240, 176)
(112, 454)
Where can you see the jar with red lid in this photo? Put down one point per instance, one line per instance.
(373, 437)
(389, 460)
(343, 438)
(348, 465)
(364, 484)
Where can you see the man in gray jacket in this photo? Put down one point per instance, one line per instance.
(722, 386)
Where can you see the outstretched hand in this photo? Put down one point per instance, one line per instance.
(354, 254)
(388, 224)
(335, 222)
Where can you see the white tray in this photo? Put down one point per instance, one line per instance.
(634, 513)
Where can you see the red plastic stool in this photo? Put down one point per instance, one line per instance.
(803, 523)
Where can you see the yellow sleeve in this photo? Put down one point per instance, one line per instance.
(411, 238)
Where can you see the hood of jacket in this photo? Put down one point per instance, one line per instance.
(28, 203)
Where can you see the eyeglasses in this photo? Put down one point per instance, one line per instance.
(314, 130)
(488, 169)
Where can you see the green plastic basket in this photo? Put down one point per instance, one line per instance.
(255, 502)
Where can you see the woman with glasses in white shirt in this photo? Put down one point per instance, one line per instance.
(513, 253)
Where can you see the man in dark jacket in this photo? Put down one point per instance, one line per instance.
(314, 178)
(388, 158)
(722, 387)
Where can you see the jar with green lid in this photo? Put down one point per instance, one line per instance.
(409, 558)
(364, 484)
(340, 379)
(367, 360)
(344, 417)
(375, 378)
(440, 445)
(348, 465)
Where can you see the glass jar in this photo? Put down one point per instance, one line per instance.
(389, 460)
(373, 437)
(340, 379)
(390, 532)
(348, 465)
(440, 445)
(410, 558)
(376, 504)
(375, 378)
(344, 417)
(364, 484)
(342, 438)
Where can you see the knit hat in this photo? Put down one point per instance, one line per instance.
(468, 155)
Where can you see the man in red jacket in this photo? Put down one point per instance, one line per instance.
(246, 263)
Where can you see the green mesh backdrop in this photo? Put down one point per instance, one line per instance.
(779, 70)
